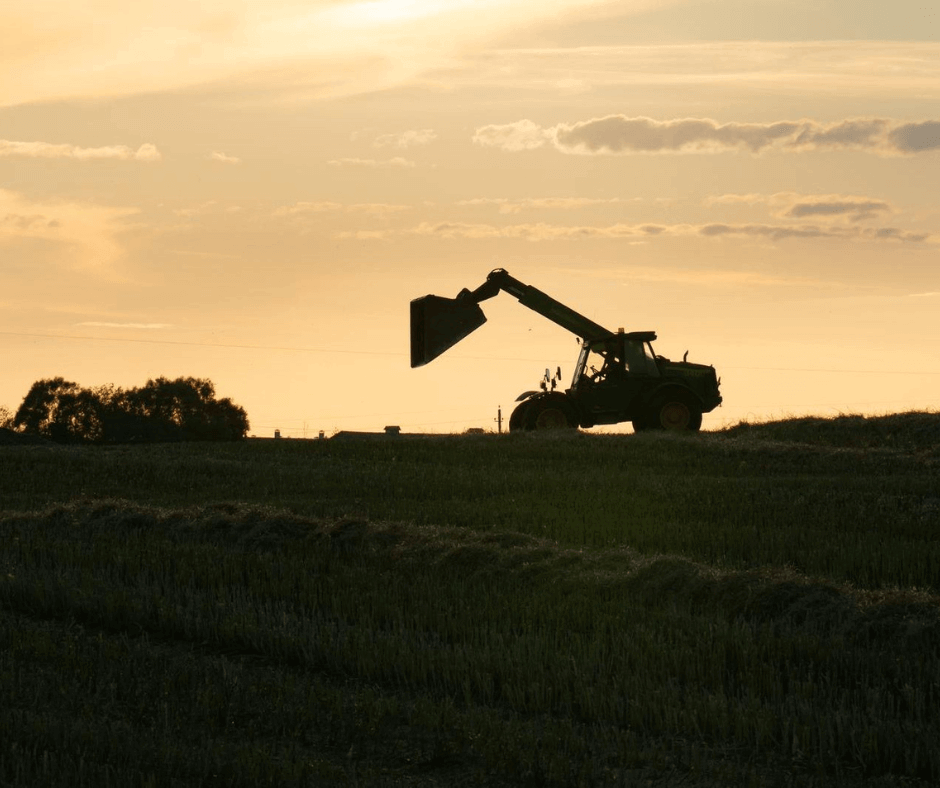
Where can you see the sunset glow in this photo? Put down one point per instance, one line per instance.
(253, 192)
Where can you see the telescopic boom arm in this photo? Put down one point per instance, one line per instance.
(438, 324)
(537, 301)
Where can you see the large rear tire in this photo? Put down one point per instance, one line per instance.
(551, 413)
(517, 421)
(676, 412)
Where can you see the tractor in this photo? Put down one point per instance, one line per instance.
(618, 376)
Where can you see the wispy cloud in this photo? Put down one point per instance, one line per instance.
(822, 207)
(405, 139)
(223, 158)
(363, 235)
(856, 209)
(87, 233)
(196, 210)
(710, 277)
(307, 208)
(508, 206)
(311, 49)
(97, 324)
(521, 135)
(623, 135)
(779, 232)
(397, 162)
(547, 232)
(48, 150)
(737, 199)
(377, 208)
(27, 223)
(849, 68)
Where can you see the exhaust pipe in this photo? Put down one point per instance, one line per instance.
(438, 324)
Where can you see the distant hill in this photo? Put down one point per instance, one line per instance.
(915, 431)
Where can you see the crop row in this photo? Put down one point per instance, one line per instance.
(865, 517)
(509, 653)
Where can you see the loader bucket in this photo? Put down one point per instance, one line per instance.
(440, 323)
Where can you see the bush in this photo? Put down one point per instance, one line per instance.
(161, 410)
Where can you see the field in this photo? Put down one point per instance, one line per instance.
(754, 607)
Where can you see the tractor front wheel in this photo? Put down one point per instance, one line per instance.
(676, 412)
(550, 414)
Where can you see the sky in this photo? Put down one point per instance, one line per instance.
(253, 192)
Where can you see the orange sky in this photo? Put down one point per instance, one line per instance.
(254, 192)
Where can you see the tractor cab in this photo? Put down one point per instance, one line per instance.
(610, 359)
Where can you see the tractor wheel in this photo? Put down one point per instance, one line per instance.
(517, 421)
(677, 412)
(550, 414)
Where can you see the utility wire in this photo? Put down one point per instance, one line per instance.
(841, 371)
(200, 344)
(454, 356)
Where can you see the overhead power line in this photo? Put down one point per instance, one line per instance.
(345, 351)
(201, 344)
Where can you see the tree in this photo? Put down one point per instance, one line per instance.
(186, 409)
(39, 411)
(162, 410)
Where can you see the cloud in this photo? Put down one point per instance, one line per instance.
(20, 223)
(548, 232)
(783, 232)
(309, 50)
(831, 207)
(619, 134)
(362, 235)
(47, 150)
(916, 137)
(405, 139)
(96, 324)
(196, 210)
(398, 161)
(87, 234)
(223, 158)
(521, 135)
(508, 206)
(303, 208)
(708, 277)
(377, 207)
(737, 199)
(854, 134)
(862, 70)
(856, 209)
(306, 208)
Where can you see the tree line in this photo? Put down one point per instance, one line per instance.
(183, 409)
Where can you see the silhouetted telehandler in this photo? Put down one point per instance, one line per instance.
(618, 377)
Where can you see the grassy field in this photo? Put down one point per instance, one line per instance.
(756, 607)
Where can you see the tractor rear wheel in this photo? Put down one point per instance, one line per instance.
(517, 421)
(550, 414)
(677, 412)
